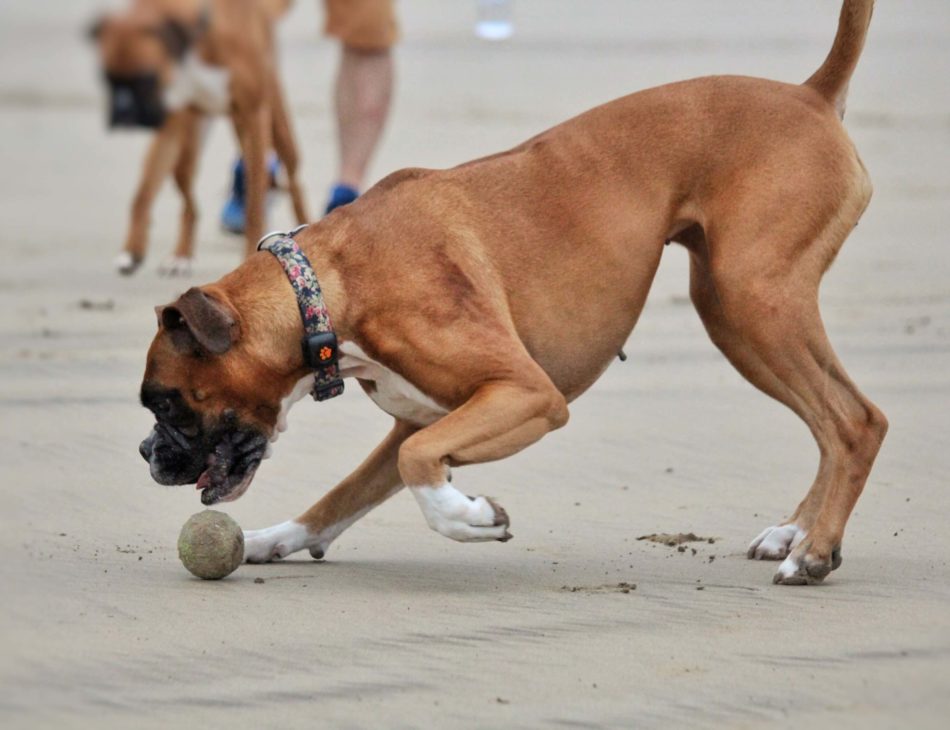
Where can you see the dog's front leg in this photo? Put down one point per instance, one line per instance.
(194, 127)
(161, 157)
(286, 147)
(254, 128)
(373, 482)
(500, 419)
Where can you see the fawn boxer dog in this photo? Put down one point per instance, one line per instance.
(170, 64)
(472, 304)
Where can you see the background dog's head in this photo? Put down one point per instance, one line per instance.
(216, 397)
(138, 52)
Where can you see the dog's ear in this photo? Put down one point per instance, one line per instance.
(176, 37)
(198, 319)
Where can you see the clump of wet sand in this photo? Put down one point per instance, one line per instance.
(672, 539)
(622, 587)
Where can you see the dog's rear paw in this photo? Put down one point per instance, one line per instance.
(806, 568)
(175, 266)
(775, 543)
(127, 264)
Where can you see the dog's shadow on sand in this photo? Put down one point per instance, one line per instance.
(415, 576)
(447, 577)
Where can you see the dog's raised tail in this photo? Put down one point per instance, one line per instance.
(831, 79)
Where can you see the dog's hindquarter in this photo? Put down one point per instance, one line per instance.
(556, 241)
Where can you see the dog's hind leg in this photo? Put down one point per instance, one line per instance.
(499, 419)
(774, 543)
(253, 124)
(375, 480)
(286, 148)
(768, 324)
(160, 159)
(179, 264)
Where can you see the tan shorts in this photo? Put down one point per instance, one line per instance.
(366, 25)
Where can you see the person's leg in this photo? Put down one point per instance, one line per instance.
(367, 31)
(363, 94)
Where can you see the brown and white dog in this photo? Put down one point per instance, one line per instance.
(473, 304)
(170, 64)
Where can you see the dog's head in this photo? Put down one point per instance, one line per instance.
(138, 52)
(216, 397)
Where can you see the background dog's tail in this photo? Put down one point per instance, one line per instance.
(831, 79)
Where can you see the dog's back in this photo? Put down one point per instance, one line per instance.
(574, 220)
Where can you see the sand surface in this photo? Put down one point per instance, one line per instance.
(574, 623)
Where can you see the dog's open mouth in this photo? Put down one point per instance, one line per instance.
(231, 466)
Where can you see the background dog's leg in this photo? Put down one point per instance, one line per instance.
(500, 419)
(254, 130)
(286, 148)
(373, 482)
(770, 328)
(184, 174)
(162, 155)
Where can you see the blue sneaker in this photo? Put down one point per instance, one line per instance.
(234, 215)
(341, 195)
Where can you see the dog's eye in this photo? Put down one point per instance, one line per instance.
(189, 431)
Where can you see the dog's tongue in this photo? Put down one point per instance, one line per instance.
(217, 467)
(210, 493)
(204, 481)
(216, 483)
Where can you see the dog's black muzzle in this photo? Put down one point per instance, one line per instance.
(135, 101)
(221, 459)
(172, 456)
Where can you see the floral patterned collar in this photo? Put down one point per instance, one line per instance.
(319, 343)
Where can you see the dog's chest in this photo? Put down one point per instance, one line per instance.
(200, 85)
(390, 391)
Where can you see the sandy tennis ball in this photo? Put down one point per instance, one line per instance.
(211, 545)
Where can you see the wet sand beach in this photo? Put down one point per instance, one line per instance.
(575, 623)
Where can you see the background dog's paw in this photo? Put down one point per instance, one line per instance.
(126, 264)
(175, 266)
(775, 543)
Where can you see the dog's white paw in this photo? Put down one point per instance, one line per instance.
(175, 266)
(789, 572)
(466, 519)
(126, 264)
(802, 567)
(775, 543)
(274, 543)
